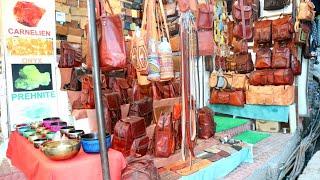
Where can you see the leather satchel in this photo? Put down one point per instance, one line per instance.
(244, 63)
(163, 90)
(142, 108)
(113, 104)
(281, 57)
(121, 86)
(282, 28)
(275, 4)
(306, 10)
(263, 58)
(296, 66)
(142, 169)
(140, 146)
(76, 79)
(240, 46)
(164, 136)
(112, 52)
(231, 97)
(230, 63)
(206, 43)
(270, 95)
(262, 32)
(70, 55)
(236, 11)
(206, 123)
(237, 81)
(220, 62)
(271, 77)
(205, 16)
(238, 31)
(185, 5)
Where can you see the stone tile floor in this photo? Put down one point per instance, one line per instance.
(312, 170)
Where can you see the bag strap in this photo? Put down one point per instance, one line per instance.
(144, 16)
(244, 33)
(164, 19)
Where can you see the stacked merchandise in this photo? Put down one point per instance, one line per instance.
(132, 16)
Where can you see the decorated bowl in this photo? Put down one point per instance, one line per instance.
(47, 121)
(34, 137)
(22, 129)
(38, 142)
(20, 126)
(75, 134)
(56, 126)
(40, 129)
(61, 150)
(65, 130)
(35, 125)
(50, 135)
(45, 131)
(90, 142)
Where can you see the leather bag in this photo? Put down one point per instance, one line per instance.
(206, 123)
(240, 46)
(263, 32)
(237, 81)
(206, 43)
(281, 57)
(142, 169)
(205, 16)
(70, 55)
(220, 62)
(113, 104)
(112, 52)
(218, 81)
(306, 10)
(140, 146)
(231, 97)
(238, 31)
(122, 86)
(263, 58)
(270, 95)
(236, 11)
(282, 28)
(163, 90)
(231, 63)
(271, 77)
(296, 66)
(275, 4)
(142, 108)
(185, 5)
(76, 79)
(244, 63)
(164, 136)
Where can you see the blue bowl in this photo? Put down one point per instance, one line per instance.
(90, 142)
(23, 129)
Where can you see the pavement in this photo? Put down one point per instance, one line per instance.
(312, 170)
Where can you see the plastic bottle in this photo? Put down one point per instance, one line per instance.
(153, 61)
(166, 62)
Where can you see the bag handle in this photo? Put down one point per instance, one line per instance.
(164, 18)
(101, 10)
(244, 33)
(144, 16)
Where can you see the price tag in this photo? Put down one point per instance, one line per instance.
(61, 17)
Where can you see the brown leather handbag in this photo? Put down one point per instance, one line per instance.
(112, 103)
(231, 97)
(282, 28)
(270, 95)
(163, 90)
(306, 10)
(263, 58)
(271, 77)
(262, 32)
(220, 62)
(76, 79)
(281, 57)
(230, 63)
(240, 46)
(112, 52)
(236, 11)
(185, 5)
(142, 169)
(206, 123)
(142, 108)
(121, 86)
(140, 146)
(70, 55)
(238, 31)
(236, 81)
(206, 43)
(164, 136)
(205, 16)
(244, 63)
(275, 4)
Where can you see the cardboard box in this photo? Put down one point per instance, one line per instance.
(267, 126)
(61, 30)
(74, 39)
(75, 31)
(79, 11)
(62, 8)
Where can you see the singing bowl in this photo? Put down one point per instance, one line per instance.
(90, 142)
(40, 129)
(61, 150)
(28, 133)
(20, 126)
(22, 129)
(75, 134)
(50, 135)
(66, 130)
(47, 121)
(34, 137)
(38, 142)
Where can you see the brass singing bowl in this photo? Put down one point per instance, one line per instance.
(61, 150)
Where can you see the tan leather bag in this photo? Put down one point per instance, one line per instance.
(306, 10)
(237, 81)
(270, 95)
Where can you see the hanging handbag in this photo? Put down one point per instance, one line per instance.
(240, 46)
(263, 58)
(164, 136)
(121, 86)
(230, 63)
(281, 57)
(255, 4)
(237, 81)
(206, 43)
(306, 10)
(236, 11)
(263, 32)
(238, 31)
(220, 62)
(185, 5)
(302, 33)
(112, 52)
(271, 77)
(76, 78)
(270, 95)
(275, 4)
(142, 108)
(70, 55)
(205, 16)
(112, 103)
(231, 97)
(244, 63)
(282, 28)
(207, 127)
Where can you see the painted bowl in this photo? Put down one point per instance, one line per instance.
(34, 137)
(44, 132)
(22, 129)
(35, 125)
(61, 150)
(20, 126)
(28, 133)
(47, 121)
(56, 126)
(38, 142)
(90, 142)
(40, 129)
(65, 130)
(50, 135)
(75, 134)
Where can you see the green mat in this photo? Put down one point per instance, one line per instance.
(225, 123)
(252, 137)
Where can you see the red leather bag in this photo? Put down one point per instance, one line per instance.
(271, 77)
(142, 108)
(142, 169)
(121, 86)
(244, 63)
(112, 103)
(112, 52)
(164, 136)
(220, 62)
(282, 28)
(236, 11)
(206, 43)
(70, 55)
(238, 31)
(281, 57)
(262, 32)
(263, 58)
(140, 146)
(240, 46)
(231, 97)
(205, 16)
(206, 123)
(163, 90)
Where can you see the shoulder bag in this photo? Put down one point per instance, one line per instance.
(275, 4)
(263, 58)
(282, 28)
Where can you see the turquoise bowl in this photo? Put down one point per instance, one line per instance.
(50, 135)
(28, 133)
(23, 129)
